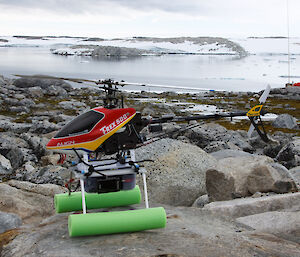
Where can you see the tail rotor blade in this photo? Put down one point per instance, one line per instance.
(261, 100)
(250, 131)
(265, 95)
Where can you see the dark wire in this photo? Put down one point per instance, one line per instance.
(161, 136)
(90, 166)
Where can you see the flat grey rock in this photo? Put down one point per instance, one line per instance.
(274, 221)
(248, 206)
(285, 224)
(9, 221)
(229, 153)
(189, 232)
(295, 173)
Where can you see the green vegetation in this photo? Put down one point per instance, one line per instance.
(278, 106)
(245, 124)
(24, 118)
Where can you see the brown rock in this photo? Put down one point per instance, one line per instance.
(31, 202)
(50, 159)
(215, 191)
(237, 177)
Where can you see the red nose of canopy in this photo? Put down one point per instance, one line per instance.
(90, 129)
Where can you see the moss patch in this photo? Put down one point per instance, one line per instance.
(24, 118)
(277, 106)
(7, 236)
(245, 124)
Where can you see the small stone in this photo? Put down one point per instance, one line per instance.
(35, 92)
(19, 96)
(71, 105)
(5, 163)
(29, 167)
(257, 195)
(19, 109)
(50, 159)
(201, 201)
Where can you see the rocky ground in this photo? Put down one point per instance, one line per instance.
(238, 196)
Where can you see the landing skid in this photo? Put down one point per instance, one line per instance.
(109, 183)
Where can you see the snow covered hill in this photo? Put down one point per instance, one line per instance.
(156, 46)
(149, 46)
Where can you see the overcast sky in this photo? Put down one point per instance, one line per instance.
(125, 18)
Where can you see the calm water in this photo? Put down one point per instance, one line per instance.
(251, 73)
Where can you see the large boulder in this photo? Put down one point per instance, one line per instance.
(9, 221)
(277, 141)
(236, 177)
(41, 189)
(36, 143)
(285, 121)
(289, 155)
(56, 91)
(15, 149)
(8, 125)
(215, 146)
(177, 174)
(43, 127)
(27, 102)
(48, 174)
(5, 166)
(30, 202)
(11, 101)
(205, 135)
(18, 156)
(35, 92)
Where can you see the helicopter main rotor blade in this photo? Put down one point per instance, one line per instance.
(169, 86)
(112, 82)
(76, 80)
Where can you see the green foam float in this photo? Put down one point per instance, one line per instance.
(116, 222)
(73, 202)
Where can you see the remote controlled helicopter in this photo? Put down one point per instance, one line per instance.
(115, 130)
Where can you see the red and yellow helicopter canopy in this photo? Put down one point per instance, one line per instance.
(90, 129)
